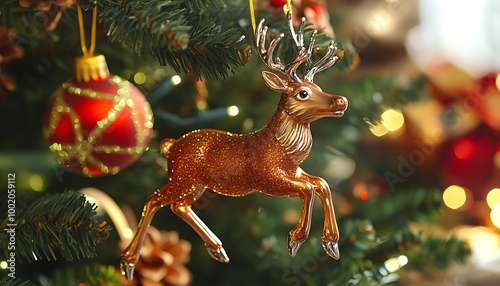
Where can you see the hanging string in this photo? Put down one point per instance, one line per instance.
(252, 15)
(287, 8)
(83, 43)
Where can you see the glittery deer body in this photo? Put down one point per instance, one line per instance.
(266, 161)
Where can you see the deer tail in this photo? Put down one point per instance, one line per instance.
(165, 146)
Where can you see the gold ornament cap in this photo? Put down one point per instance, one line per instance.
(91, 67)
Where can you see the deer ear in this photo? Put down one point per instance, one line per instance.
(273, 81)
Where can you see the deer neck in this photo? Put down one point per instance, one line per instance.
(294, 136)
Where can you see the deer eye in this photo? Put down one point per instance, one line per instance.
(303, 95)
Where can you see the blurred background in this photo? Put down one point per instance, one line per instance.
(413, 165)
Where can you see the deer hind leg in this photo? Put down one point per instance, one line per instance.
(131, 254)
(330, 236)
(213, 244)
(301, 231)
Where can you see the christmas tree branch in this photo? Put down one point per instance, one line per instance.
(206, 38)
(401, 207)
(8, 281)
(433, 252)
(189, 36)
(93, 274)
(56, 225)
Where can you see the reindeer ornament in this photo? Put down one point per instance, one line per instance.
(266, 161)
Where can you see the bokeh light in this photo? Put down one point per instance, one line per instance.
(392, 119)
(464, 149)
(378, 129)
(175, 80)
(394, 264)
(493, 198)
(495, 216)
(36, 183)
(140, 78)
(233, 110)
(363, 196)
(454, 197)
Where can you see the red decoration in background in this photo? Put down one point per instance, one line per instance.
(277, 3)
(487, 98)
(464, 149)
(98, 127)
(472, 162)
(363, 196)
(314, 10)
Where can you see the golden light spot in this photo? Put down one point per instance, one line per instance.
(378, 129)
(201, 105)
(495, 216)
(392, 119)
(175, 80)
(36, 183)
(394, 264)
(140, 78)
(454, 197)
(493, 198)
(233, 110)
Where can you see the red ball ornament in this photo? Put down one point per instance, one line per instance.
(97, 124)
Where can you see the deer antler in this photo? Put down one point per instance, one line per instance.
(328, 60)
(267, 55)
(290, 70)
(303, 55)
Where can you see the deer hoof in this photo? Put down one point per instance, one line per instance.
(293, 246)
(332, 248)
(127, 269)
(219, 254)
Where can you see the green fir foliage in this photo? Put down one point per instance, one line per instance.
(8, 281)
(57, 226)
(93, 274)
(187, 36)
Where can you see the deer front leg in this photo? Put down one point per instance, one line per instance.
(301, 231)
(212, 242)
(131, 254)
(330, 235)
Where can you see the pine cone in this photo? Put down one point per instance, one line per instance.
(9, 50)
(53, 10)
(162, 260)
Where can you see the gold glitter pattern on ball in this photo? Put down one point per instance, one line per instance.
(86, 145)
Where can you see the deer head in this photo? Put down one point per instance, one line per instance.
(304, 100)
